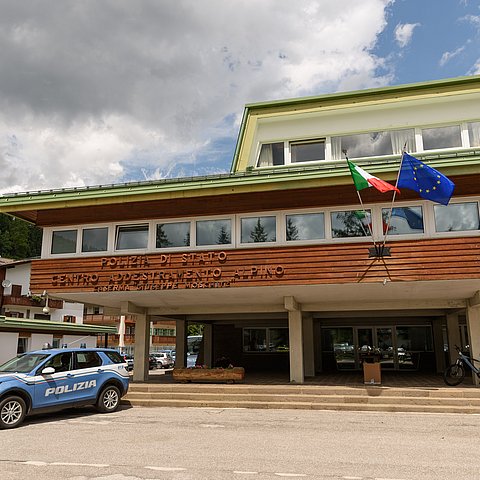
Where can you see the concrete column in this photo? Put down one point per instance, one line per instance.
(473, 325)
(181, 344)
(308, 346)
(295, 332)
(453, 333)
(438, 345)
(142, 348)
(207, 344)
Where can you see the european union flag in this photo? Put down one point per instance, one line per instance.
(428, 182)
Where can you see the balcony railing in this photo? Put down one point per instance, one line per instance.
(25, 301)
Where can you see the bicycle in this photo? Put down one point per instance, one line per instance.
(455, 373)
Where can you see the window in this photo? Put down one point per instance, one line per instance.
(474, 134)
(94, 239)
(271, 154)
(265, 340)
(61, 362)
(456, 217)
(351, 223)
(69, 319)
(311, 151)
(173, 235)
(22, 345)
(214, 232)
(132, 237)
(258, 229)
(403, 220)
(115, 357)
(373, 144)
(64, 241)
(441, 137)
(87, 359)
(308, 226)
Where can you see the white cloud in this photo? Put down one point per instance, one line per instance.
(404, 33)
(101, 91)
(447, 56)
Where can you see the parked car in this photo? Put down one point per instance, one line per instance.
(164, 360)
(55, 379)
(128, 359)
(152, 362)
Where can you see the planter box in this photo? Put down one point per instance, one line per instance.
(228, 375)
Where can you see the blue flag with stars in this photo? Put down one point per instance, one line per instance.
(428, 182)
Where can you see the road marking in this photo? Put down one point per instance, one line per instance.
(381, 478)
(239, 472)
(75, 464)
(33, 462)
(167, 469)
(290, 474)
(211, 425)
(352, 478)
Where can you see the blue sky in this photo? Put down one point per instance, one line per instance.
(108, 91)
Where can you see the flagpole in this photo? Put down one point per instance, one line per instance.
(364, 211)
(393, 197)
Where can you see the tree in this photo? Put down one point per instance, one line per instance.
(223, 236)
(19, 239)
(195, 329)
(162, 238)
(259, 234)
(292, 230)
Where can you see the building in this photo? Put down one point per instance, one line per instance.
(275, 258)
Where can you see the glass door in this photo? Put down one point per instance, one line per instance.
(384, 343)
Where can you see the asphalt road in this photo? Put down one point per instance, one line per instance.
(238, 444)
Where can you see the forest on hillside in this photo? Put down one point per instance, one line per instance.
(19, 239)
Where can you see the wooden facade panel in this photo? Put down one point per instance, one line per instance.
(434, 259)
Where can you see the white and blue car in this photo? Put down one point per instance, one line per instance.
(53, 379)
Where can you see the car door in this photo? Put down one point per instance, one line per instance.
(58, 387)
(88, 374)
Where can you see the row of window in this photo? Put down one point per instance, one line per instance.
(164, 332)
(371, 144)
(295, 227)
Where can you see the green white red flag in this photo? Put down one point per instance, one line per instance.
(363, 179)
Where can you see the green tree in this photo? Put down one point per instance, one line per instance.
(292, 230)
(259, 234)
(19, 239)
(162, 238)
(195, 329)
(223, 236)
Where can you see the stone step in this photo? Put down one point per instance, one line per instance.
(134, 397)
(348, 406)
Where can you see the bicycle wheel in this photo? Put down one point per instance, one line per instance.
(454, 374)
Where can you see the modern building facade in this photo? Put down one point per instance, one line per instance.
(275, 259)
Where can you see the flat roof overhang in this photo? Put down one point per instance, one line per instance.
(429, 297)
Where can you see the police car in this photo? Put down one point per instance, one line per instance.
(54, 379)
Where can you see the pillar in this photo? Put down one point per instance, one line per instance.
(473, 325)
(295, 332)
(453, 333)
(308, 346)
(207, 344)
(142, 348)
(181, 344)
(438, 345)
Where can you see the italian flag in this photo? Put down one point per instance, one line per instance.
(363, 179)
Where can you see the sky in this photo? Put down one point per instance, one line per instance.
(95, 92)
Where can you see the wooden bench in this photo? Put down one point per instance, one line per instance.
(228, 375)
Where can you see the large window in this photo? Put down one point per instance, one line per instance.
(307, 226)
(64, 241)
(258, 229)
(456, 217)
(130, 237)
(265, 340)
(474, 134)
(94, 239)
(311, 151)
(403, 220)
(214, 232)
(373, 144)
(271, 154)
(441, 137)
(351, 223)
(175, 234)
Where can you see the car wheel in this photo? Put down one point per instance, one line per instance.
(109, 399)
(12, 412)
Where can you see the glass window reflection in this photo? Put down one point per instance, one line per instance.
(94, 239)
(258, 229)
(403, 220)
(214, 232)
(351, 223)
(441, 137)
(64, 241)
(130, 237)
(456, 217)
(308, 226)
(474, 134)
(175, 234)
(307, 151)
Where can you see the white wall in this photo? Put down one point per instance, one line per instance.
(18, 275)
(76, 340)
(38, 340)
(75, 309)
(8, 346)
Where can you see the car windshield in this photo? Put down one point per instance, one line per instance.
(23, 363)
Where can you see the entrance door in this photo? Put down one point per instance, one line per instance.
(378, 340)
